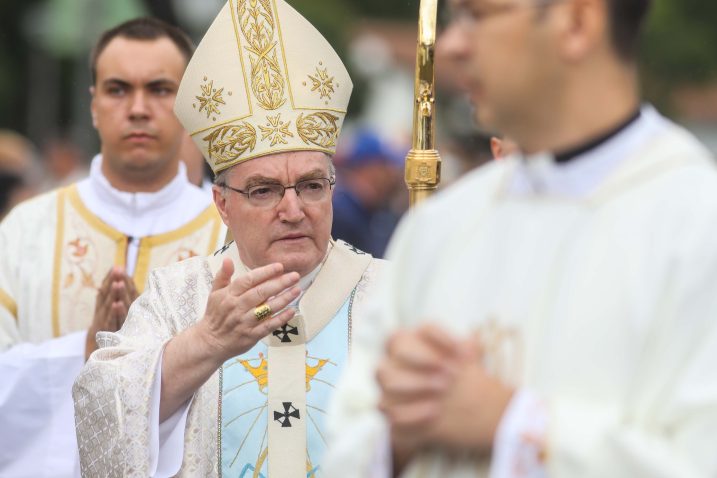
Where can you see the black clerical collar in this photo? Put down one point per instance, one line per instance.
(570, 154)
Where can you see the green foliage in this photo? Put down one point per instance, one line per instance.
(680, 44)
(679, 47)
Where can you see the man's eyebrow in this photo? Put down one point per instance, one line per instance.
(116, 82)
(313, 174)
(259, 179)
(162, 82)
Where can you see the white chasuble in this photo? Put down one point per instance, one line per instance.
(261, 414)
(56, 250)
(87, 248)
(601, 302)
(56, 282)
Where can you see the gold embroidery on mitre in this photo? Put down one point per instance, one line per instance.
(319, 128)
(322, 82)
(276, 129)
(256, 21)
(211, 98)
(228, 143)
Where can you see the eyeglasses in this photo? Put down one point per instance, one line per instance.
(269, 195)
(469, 15)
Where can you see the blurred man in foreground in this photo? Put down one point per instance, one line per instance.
(73, 259)
(225, 364)
(551, 314)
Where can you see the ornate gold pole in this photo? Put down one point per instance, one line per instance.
(423, 164)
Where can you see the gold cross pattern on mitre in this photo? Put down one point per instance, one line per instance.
(263, 80)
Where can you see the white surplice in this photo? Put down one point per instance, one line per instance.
(593, 285)
(48, 283)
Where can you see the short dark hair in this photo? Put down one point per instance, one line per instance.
(627, 18)
(144, 28)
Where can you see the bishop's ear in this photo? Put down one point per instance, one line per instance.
(219, 194)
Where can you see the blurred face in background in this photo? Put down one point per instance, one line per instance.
(504, 51)
(132, 110)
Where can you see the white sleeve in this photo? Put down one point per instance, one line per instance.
(36, 410)
(167, 438)
(519, 449)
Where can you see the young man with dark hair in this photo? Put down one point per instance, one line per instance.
(553, 313)
(74, 259)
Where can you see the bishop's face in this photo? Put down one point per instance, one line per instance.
(295, 231)
(504, 50)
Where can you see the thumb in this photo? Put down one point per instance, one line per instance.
(224, 276)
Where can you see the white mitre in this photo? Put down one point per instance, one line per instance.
(263, 80)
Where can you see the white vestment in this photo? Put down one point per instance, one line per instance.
(56, 249)
(593, 285)
(267, 399)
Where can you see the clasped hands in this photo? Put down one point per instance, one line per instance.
(436, 393)
(114, 296)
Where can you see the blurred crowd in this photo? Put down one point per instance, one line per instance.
(27, 170)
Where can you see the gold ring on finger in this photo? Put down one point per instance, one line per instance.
(262, 312)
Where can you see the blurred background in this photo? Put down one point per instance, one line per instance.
(46, 137)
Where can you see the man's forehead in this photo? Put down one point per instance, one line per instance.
(126, 58)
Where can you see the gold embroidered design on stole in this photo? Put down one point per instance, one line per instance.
(85, 249)
(257, 24)
(198, 237)
(319, 128)
(9, 303)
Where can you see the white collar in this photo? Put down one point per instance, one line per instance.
(539, 174)
(140, 202)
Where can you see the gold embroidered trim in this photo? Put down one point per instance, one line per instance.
(228, 143)
(146, 244)
(276, 129)
(59, 238)
(8, 302)
(319, 128)
(256, 21)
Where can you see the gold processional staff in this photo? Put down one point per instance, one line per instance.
(423, 164)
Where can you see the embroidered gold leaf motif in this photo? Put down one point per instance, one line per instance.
(318, 128)
(211, 99)
(322, 83)
(256, 20)
(228, 143)
(276, 129)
